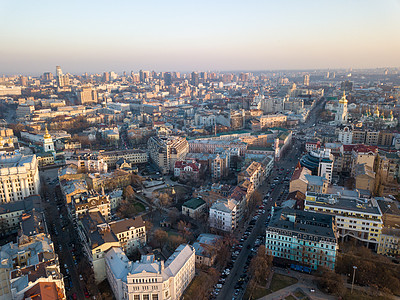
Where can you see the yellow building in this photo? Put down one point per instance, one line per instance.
(356, 218)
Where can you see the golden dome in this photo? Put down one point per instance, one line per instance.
(47, 135)
(343, 99)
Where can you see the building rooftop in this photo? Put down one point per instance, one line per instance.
(194, 203)
(126, 224)
(303, 224)
(350, 204)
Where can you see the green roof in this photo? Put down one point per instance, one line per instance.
(261, 148)
(194, 203)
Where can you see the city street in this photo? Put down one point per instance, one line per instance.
(277, 195)
(63, 236)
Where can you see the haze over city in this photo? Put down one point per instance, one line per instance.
(95, 36)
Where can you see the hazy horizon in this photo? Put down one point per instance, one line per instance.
(98, 36)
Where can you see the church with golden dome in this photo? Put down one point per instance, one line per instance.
(379, 117)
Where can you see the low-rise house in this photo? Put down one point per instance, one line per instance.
(206, 247)
(194, 208)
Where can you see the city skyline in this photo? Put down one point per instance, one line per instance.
(95, 36)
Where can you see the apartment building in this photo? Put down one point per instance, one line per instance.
(134, 156)
(88, 163)
(30, 263)
(255, 173)
(86, 203)
(356, 218)
(272, 120)
(19, 176)
(223, 215)
(150, 279)
(165, 151)
(11, 213)
(214, 146)
(302, 237)
(131, 233)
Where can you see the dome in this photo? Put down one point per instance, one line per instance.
(343, 99)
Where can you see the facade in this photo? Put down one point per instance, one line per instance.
(165, 151)
(87, 95)
(19, 176)
(149, 278)
(131, 233)
(89, 163)
(187, 170)
(272, 120)
(88, 203)
(223, 215)
(302, 237)
(135, 156)
(356, 218)
(96, 238)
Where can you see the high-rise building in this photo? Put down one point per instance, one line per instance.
(306, 80)
(341, 113)
(58, 71)
(106, 77)
(48, 76)
(195, 79)
(62, 80)
(168, 78)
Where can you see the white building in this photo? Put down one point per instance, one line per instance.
(165, 151)
(345, 135)
(341, 113)
(150, 279)
(223, 215)
(19, 176)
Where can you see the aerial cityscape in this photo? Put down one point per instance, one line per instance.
(206, 152)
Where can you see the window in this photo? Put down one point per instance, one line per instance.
(154, 297)
(136, 297)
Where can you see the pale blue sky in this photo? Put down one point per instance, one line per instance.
(97, 36)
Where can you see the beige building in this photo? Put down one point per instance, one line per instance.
(19, 176)
(165, 151)
(364, 177)
(134, 156)
(272, 120)
(87, 95)
(362, 154)
(131, 233)
(298, 182)
(357, 218)
(97, 238)
(254, 173)
(91, 203)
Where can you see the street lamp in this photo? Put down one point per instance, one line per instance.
(354, 275)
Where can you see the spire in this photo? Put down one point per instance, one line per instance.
(46, 135)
